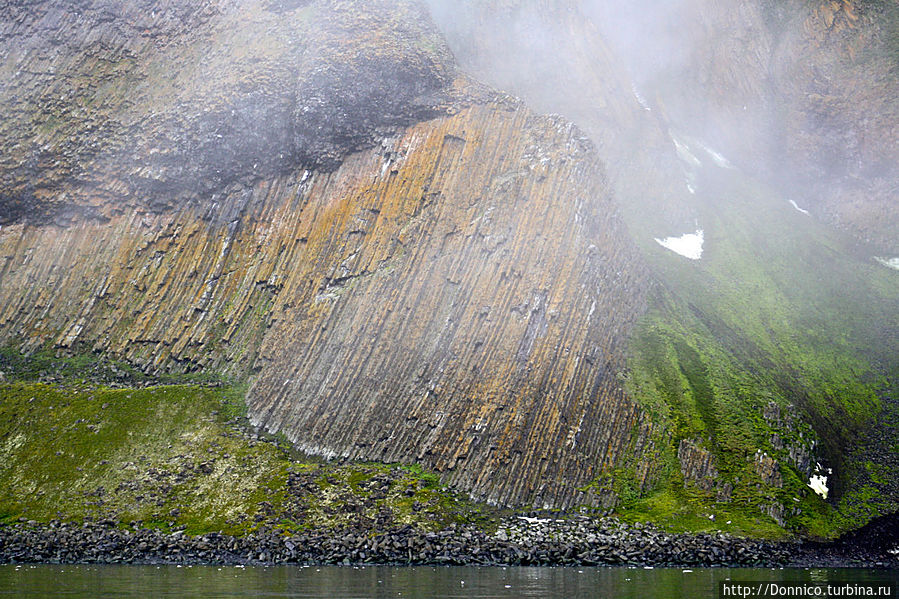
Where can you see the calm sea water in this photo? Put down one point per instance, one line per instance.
(147, 582)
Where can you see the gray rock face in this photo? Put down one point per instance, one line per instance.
(160, 104)
(800, 94)
(348, 93)
(416, 269)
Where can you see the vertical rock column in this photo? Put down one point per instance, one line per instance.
(463, 301)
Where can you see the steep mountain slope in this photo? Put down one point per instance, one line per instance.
(798, 92)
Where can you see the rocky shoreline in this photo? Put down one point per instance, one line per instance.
(519, 541)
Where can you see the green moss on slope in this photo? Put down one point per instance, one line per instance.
(773, 352)
(173, 457)
(52, 366)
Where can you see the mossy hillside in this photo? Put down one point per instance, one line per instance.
(87, 368)
(874, 460)
(782, 312)
(172, 457)
(705, 395)
(380, 496)
(686, 509)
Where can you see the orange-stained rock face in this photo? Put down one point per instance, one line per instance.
(272, 191)
(463, 301)
(409, 266)
(458, 296)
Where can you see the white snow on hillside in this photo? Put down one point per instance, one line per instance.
(889, 262)
(818, 484)
(719, 159)
(688, 246)
(640, 99)
(796, 206)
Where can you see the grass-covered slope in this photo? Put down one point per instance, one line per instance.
(175, 457)
(775, 352)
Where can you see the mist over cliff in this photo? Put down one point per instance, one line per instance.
(796, 93)
(749, 140)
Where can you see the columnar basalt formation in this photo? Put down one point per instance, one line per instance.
(717, 100)
(407, 265)
(414, 268)
(798, 92)
(467, 304)
(459, 296)
(571, 70)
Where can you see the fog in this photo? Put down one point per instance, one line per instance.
(799, 99)
(742, 145)
(624, 75)
(755, 84)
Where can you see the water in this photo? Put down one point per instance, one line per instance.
(381, 582)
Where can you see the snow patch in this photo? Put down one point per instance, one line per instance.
(684, 152)
(719, 159)
(690, 180)
(688, 246)
(534, 520)
(640, 99)
(818, 484)
(796, 206)
(889, 262)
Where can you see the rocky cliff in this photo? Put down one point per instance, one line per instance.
(799, 93)
(413, 267)
(408, 265)
(692, 113)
